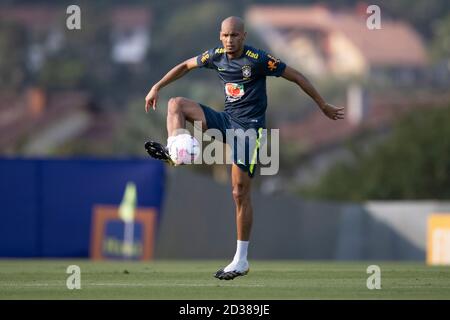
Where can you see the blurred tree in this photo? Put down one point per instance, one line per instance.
(92, 46)
(13, 54)
(441, 39)
(414, 163)
(84, 61)
(137, 127)
(188, 31)
(61, 73)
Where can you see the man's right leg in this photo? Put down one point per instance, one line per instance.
(182, 109)
(179, 110)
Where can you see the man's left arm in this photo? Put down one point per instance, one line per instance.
(329, 110)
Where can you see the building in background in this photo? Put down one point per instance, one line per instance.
(130, 34)
(321, 42)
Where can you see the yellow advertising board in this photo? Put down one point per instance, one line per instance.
(438, 239)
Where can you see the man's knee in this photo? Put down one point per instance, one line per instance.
(175, 105)
(241, 193)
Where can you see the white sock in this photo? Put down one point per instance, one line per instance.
(170, 140)
(241, 251)
(239, 262)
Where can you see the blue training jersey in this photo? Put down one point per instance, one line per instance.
(244, 81)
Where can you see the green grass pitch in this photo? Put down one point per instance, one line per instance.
(192, 280)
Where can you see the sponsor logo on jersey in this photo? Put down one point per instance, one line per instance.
(234, 91)
(246, 72)
(252, 54)
(205, 56)
(220, 50)
(272, 65)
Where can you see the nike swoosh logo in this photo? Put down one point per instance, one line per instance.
(221, 69)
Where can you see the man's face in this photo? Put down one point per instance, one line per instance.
(232, 38)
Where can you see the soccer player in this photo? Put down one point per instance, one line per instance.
(243, 71)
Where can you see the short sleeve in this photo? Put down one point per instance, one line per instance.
(204, 60)
(271, 66)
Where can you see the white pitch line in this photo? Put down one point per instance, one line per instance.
(83, 284)
(171, 285)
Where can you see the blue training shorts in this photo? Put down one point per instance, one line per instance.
(245, 140)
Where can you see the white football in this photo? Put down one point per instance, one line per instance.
(184, 149)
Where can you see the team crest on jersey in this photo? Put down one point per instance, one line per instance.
(234, 91)
(246, 72)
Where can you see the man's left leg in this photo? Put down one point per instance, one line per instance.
(241, 183)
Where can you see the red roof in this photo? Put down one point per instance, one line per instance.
(126, 17)
(290, 16)
(33, 16)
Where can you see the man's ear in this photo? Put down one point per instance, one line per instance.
(245, 35)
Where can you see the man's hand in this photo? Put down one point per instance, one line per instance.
(332, 112)
(151, 99)
(175, 73)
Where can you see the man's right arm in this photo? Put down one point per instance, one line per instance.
(174, 74)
